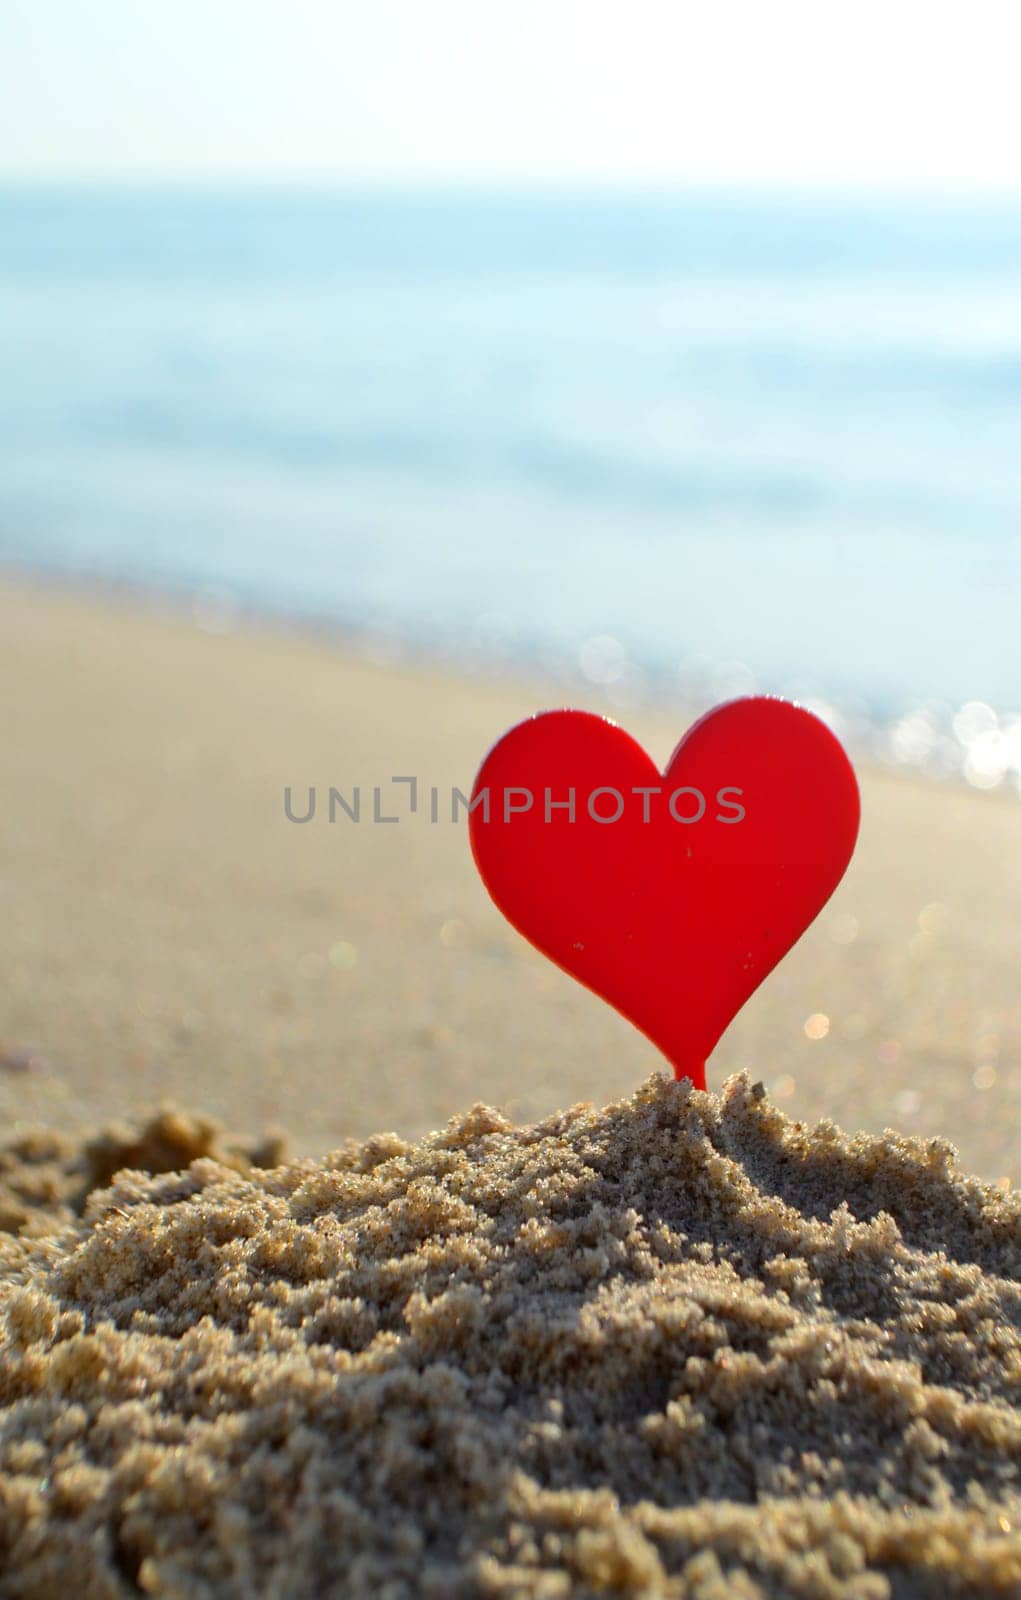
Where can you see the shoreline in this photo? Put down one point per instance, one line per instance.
(880, 737)
(169, 937)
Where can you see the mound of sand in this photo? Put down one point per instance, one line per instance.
(678, 1347)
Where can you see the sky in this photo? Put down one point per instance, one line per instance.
(761, 93)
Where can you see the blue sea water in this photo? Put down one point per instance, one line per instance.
(773, 439)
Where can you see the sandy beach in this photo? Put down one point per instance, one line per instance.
(378, 379)
(169, 936)
(688, 1346)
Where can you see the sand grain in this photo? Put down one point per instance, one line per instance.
(678, 1347)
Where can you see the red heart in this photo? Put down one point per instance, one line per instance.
(676, 911)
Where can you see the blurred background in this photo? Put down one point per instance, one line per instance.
(657, 352)
(529, 331)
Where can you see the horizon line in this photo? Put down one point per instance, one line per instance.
(411, 185)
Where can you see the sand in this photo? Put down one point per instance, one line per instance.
(167, 934)
(679, 1347)
(685, 1346)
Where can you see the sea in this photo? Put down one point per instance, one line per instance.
(670, 443)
